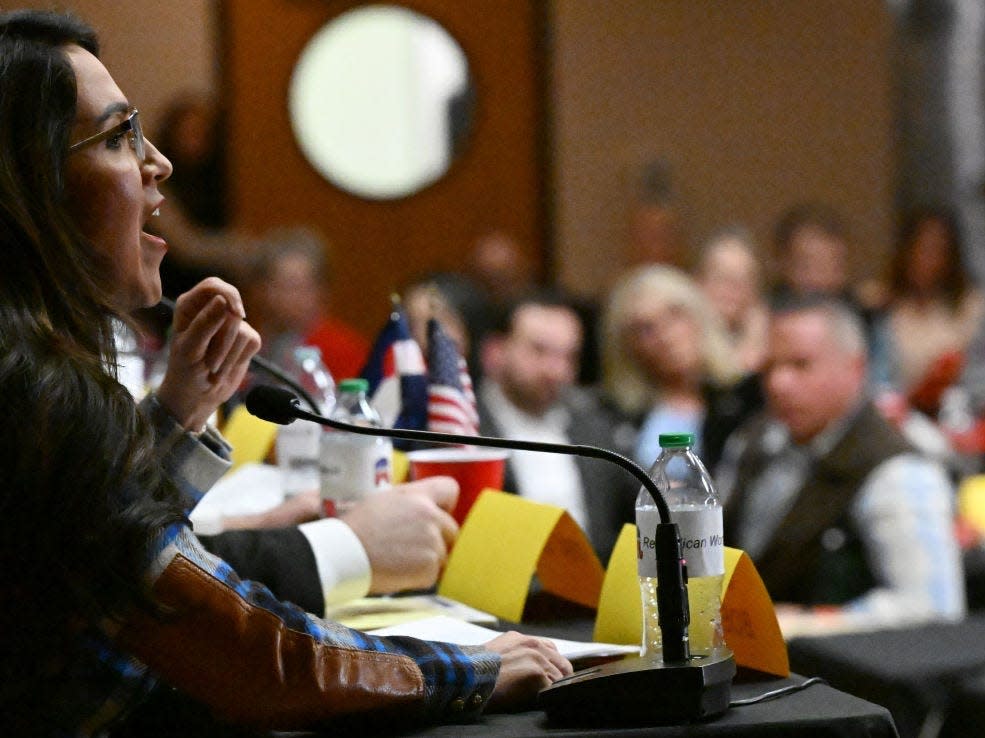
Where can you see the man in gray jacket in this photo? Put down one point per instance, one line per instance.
(530, 363)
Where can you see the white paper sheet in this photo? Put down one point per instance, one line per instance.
(250, 489)
(452, 630)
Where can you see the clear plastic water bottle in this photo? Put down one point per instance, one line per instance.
(298, 444)
(695, 507)
(956, 419)
(955, 415)
(353, 465)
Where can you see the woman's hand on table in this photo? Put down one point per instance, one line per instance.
(529, 664)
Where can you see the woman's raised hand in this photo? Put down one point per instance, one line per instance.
(211, 348)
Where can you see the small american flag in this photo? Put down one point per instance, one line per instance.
(451, 399)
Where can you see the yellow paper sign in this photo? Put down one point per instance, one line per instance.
(748, 620)
(369, 613)
(620, 614)
(503, 541)
(250, 437)
(401, 465)
(971, 501)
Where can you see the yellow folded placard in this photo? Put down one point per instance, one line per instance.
(971, 501)
(250, 437)
(401, 465)
(748, 619)
(503, 541)
(253, 438)
(620, 615)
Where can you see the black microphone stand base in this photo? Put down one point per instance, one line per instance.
(640, 691)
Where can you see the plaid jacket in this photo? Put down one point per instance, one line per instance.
(231, 645)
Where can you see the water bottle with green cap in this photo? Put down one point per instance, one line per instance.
(694, 506)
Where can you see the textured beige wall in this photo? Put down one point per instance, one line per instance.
(756, 104)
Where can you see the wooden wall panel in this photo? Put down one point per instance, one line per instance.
(755, 104)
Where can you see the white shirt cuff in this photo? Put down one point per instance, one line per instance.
(343, 566)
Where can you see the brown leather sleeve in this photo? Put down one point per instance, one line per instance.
(245, 664)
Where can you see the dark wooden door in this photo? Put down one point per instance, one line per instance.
(497, 182)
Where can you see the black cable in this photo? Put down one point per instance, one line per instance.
(782, 691)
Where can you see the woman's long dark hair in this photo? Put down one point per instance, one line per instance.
(53, 280)
(81, 487)
(82, 494)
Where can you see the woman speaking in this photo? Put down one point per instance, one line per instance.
(107, 595)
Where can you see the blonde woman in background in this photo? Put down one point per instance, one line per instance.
(668, 365)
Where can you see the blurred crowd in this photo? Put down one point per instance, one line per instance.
(841, 419)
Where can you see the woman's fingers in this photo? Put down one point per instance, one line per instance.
(236, 361)
(210, 352)
(219, 339)
(192, 342)
(221, 345)
(528, 664)
(190, 304)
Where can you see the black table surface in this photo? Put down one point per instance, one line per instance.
(965, 714)
(916, 673)
(818, 710)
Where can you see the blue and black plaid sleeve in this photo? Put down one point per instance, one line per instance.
(458, 680)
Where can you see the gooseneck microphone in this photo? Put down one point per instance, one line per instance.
(280, 406)
(258, 363)
(677, 688)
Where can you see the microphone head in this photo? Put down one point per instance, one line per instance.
(274, 404)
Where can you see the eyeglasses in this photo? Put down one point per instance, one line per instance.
(129, 126)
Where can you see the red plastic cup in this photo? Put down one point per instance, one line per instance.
(475, 469)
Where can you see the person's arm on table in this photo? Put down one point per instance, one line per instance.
(406, 532)
(394, 540)
(255, 660)
(907, 508)
(905, 512)
(294, 510)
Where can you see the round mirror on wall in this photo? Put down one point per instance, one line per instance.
(381, 101)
